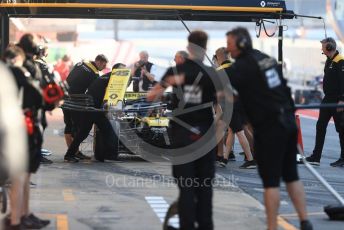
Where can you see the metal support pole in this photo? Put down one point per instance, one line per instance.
(280, 47)
(4, 31)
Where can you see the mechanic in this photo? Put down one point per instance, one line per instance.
(48, 80)
(236, 125)
(333, 86)
(97, 90)
(180, 57)
(79, 79)
(269, 107)
(142, 73)
(195, 199)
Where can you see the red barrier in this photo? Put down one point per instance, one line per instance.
(299, 133)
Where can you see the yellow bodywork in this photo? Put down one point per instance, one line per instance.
(156, 121)
(117, 86)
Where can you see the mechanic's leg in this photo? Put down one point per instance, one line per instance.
(339, 123)
(16, 199)
(297, 196)
(84, 129)
(205, 168)
(229, 143)
(341, 140)
(26, 196)
(220, 127)
(244, 145)
(271, 201)
(249, 136)
(184, 175)
(324, 117)
(68, 138)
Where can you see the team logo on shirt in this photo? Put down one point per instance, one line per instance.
(272, 78)
(192, 94)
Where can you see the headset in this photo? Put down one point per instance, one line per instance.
(242, 42)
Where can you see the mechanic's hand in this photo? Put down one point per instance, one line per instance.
(340, 109)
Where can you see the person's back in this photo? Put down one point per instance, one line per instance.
(82, 75)
(267, 95)
(198, 89)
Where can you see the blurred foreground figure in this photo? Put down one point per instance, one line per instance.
(269, 107)
(13, 145)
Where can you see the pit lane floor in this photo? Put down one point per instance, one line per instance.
(134, 194)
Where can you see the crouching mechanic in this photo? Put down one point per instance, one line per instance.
(269, 107)
(97, 91)
(193, 81)
(79, 79)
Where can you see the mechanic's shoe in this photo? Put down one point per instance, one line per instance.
(46, 161)
(338, 163)
(46, 152)
(32, 185)
(313, 160)
(100, 159)
(28, 223)
(36, 219)
(79, 155)
(306, 225)
(13, 227)
(218, 159)
(70, 159)
(231, 156)
(223, 162)
(249, 165)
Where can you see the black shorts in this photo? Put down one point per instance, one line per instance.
(35, 144)
(67, 118)
(242, 112)
(275, 146)
(236, 123)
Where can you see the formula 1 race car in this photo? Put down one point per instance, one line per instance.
(133, 118)
(137, 122)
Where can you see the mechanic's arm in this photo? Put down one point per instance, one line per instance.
(155, 93)
(149, 75)
(341, 80)
(158, 90)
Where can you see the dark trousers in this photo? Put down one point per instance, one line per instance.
(324, 117)
(84, 127)
(196, 192)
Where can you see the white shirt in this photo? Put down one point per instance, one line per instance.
(13, 140)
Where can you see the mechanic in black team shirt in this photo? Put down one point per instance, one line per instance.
(269, 107)
(97, 90)
(79, 79)
(333, 86)
(193, 78)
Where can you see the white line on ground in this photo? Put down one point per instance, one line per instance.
(160, 207)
